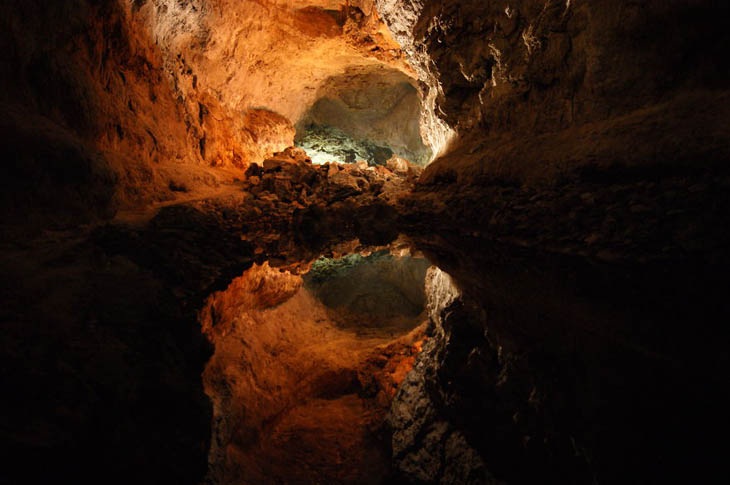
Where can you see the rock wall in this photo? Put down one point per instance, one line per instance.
(119, 104)
(379, 106)
(537, 89)
(89, 113)
(376, 289)
(402, 19)
(427, 447)
(542, 368)
(274, 54)
(299, 390)
(581, 214)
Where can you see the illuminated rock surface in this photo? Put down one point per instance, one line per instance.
(575, 211)
(378, 109)
(300, 390)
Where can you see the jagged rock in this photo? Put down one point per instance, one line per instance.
(253, 170)
(398, 165)
(275, 165)
(332, 170)
(347, 184)
(579, 196)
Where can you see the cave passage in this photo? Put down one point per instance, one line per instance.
(329, 144)
(369, 113)
(305, 368)
(212, 216)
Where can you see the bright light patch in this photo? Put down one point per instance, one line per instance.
(328, 144)
(320, 158)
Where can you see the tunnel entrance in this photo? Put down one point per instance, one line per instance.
(368, 113)
(307, 361)
(329, 144)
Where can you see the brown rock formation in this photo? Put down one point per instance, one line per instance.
(577, 211)
(381, 106)
(299, 391)
(536, 90)
(136, 101)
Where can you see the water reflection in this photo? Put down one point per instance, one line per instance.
(308, 356)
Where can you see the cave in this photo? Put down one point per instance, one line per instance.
(366, 114)
(307, 361)
(364, 241)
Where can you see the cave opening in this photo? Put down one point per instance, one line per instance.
(307, 360)
(367, 113)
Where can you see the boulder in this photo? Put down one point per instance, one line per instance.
(253, 170)
(332, 170)
(398, 165)
(275, 164)
(347, 184)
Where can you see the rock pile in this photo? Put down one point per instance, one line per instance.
(289, 182)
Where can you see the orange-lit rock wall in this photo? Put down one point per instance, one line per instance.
(118, 104)
(297, 397)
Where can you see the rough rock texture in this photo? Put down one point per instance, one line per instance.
(427, 447)
(271, 53)
(377, 290)
(586, 325)
(93, 114)
(289, 191)
(403, 19)
(88, 114)
(581, 213)
(227, 57)
(536, 89)
(376, 106)
(101, 341)
(547, 380)
(299, 391)
(127, 103)
(327, 144)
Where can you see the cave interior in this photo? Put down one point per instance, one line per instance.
(364, 241)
